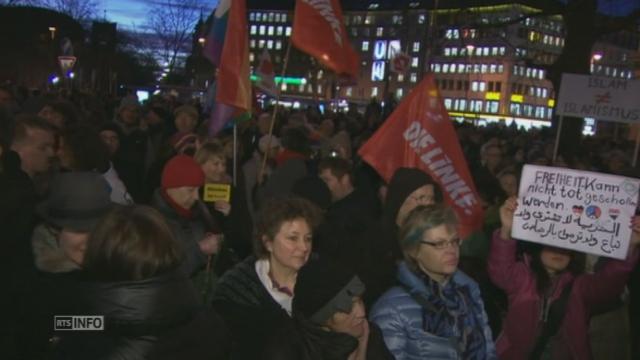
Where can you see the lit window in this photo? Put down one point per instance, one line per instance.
(515, 109)
(528, 72)
(368, 20)
(500, 69)
(400, 77)
(422, 19)
(251, 57)
(493, 68)
(284, 17)
(261, 44)
(483, 69)
(278, 45)
(482, 86)
(454, 51)
(447, 51)
(461, 68)
(252, 44)
(485, 51)
(474, 86)
(494, 51)
(416, 46)
(270, 44)
(252, 16)
(399, 93)
(259, 17)
(447, 103)
(414, 77)
(379, 31)
(476, 68)
(374, 91)
(279, 31)
(414, 62)
(478, 51)
(445, 68)
(288, 31)
(436, 68)
(263, 29)
(278, 17)
(271, 15)
(365, 46)
(503, 50)
(541, 74)
(254, 29)
(270, 31)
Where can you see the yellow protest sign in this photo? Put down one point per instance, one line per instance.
(216, 192)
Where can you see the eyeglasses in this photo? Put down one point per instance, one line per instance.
(440, 245)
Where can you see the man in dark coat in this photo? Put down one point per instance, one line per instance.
(129, 160)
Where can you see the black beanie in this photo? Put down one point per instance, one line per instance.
(313, 189)
(323, 288)
(403, 182)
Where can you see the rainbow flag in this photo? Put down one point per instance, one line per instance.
(227, 47)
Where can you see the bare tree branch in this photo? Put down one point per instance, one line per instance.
(81, 10)
(173, 21)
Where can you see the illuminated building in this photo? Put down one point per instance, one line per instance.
(484, 72)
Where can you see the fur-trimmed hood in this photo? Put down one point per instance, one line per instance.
(48, 256)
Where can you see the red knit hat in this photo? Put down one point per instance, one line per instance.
(181, 171)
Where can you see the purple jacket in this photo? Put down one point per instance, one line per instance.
(521, 325)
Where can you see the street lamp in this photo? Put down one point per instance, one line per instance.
(596, 57)
(52, 29)
(202, 41)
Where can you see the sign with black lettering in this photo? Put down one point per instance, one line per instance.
(217, 192)
(602, 98)
(578, 210)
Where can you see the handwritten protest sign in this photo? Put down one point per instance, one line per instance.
(216, 192)
(578, 210)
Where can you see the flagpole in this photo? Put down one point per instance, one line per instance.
(275, 111)
(235, 153)
(557, 145)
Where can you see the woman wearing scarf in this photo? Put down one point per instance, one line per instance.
(436, 311)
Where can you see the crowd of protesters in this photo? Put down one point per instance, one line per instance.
(308, 254)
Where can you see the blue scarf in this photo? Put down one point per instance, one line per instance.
(450, 311)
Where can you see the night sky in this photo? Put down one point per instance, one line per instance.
(131, 13)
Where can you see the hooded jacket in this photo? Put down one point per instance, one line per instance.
(155, 318)
(522, 325)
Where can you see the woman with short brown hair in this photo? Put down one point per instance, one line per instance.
(255, 297)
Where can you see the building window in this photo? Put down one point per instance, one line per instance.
(400, 77)
(500, 69)
(288, 31)
(284, 17)
(270, 44)
(279, 31)
(271, 15)
(251, 57)
(447, 103)
(254, 29)
(436, 68)
(461, 68)
(368, 20)
(493, 68)
(498, 86)
(349, 91)
(270, 31)
(252, 16)
(422, 19)
(365, 46)
(374, 91)
(454, 51)
(277, 17)
(515, 109)
(485, 51)
(263, 29)
(414, 62)
(447, 51)
(261, 44)
(483, 68)
(494, 51)
(492, 107)
(445, 68)
(252, 44)
(416, 46)
(503, 50)
(379, 31)
(414, 77)
(399, 93)
(278, 45)
(475, 106)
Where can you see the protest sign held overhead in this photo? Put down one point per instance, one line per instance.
(602, 98)
(318, 30)
(419, 134)
(579, 210)
(266, 74)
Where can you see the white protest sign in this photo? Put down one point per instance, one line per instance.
(602, 98)
(579, 210)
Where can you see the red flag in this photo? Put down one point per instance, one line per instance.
(419, 134)
(233, 85)
(318, 30)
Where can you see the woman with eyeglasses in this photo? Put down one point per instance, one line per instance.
(435, 311)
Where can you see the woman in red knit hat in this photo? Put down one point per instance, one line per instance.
(177, 200)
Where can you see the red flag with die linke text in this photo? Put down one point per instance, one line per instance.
(419, 134)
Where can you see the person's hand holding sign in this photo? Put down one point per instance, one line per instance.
(223, 206)
(210, 244)
(506, 216)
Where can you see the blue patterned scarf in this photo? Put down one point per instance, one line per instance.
(450, 311)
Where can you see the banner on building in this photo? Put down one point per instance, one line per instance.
(419, 134)
(602, 98)
(578, 210)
